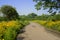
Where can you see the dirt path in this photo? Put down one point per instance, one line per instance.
(34, 31)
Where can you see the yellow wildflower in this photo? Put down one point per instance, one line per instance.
(51, 23)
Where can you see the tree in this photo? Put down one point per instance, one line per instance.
(9, 12)
(32, 15)
(48, 4)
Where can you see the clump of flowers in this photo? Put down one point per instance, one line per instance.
(50, 23)
(9, 29)
(4, 25)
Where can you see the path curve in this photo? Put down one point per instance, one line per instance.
(34, 31)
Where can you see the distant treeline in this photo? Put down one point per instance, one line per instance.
(34, 16)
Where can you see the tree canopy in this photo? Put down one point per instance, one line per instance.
(52, 5)
(9, 12)
(32, 15)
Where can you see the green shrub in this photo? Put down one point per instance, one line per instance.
(10, 34)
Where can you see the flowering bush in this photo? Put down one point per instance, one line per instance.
(9, 29)
(50, 23)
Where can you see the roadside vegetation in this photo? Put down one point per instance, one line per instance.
(10, 23)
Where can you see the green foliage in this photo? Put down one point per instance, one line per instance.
(23, 17)
(9, 12)
(3, 19)
(57, 17)
(28, 17)
(32, 15)
(24, 23)
(54, 27)
(10, 34)
(51, 4)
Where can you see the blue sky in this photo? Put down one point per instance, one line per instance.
(23, 7)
